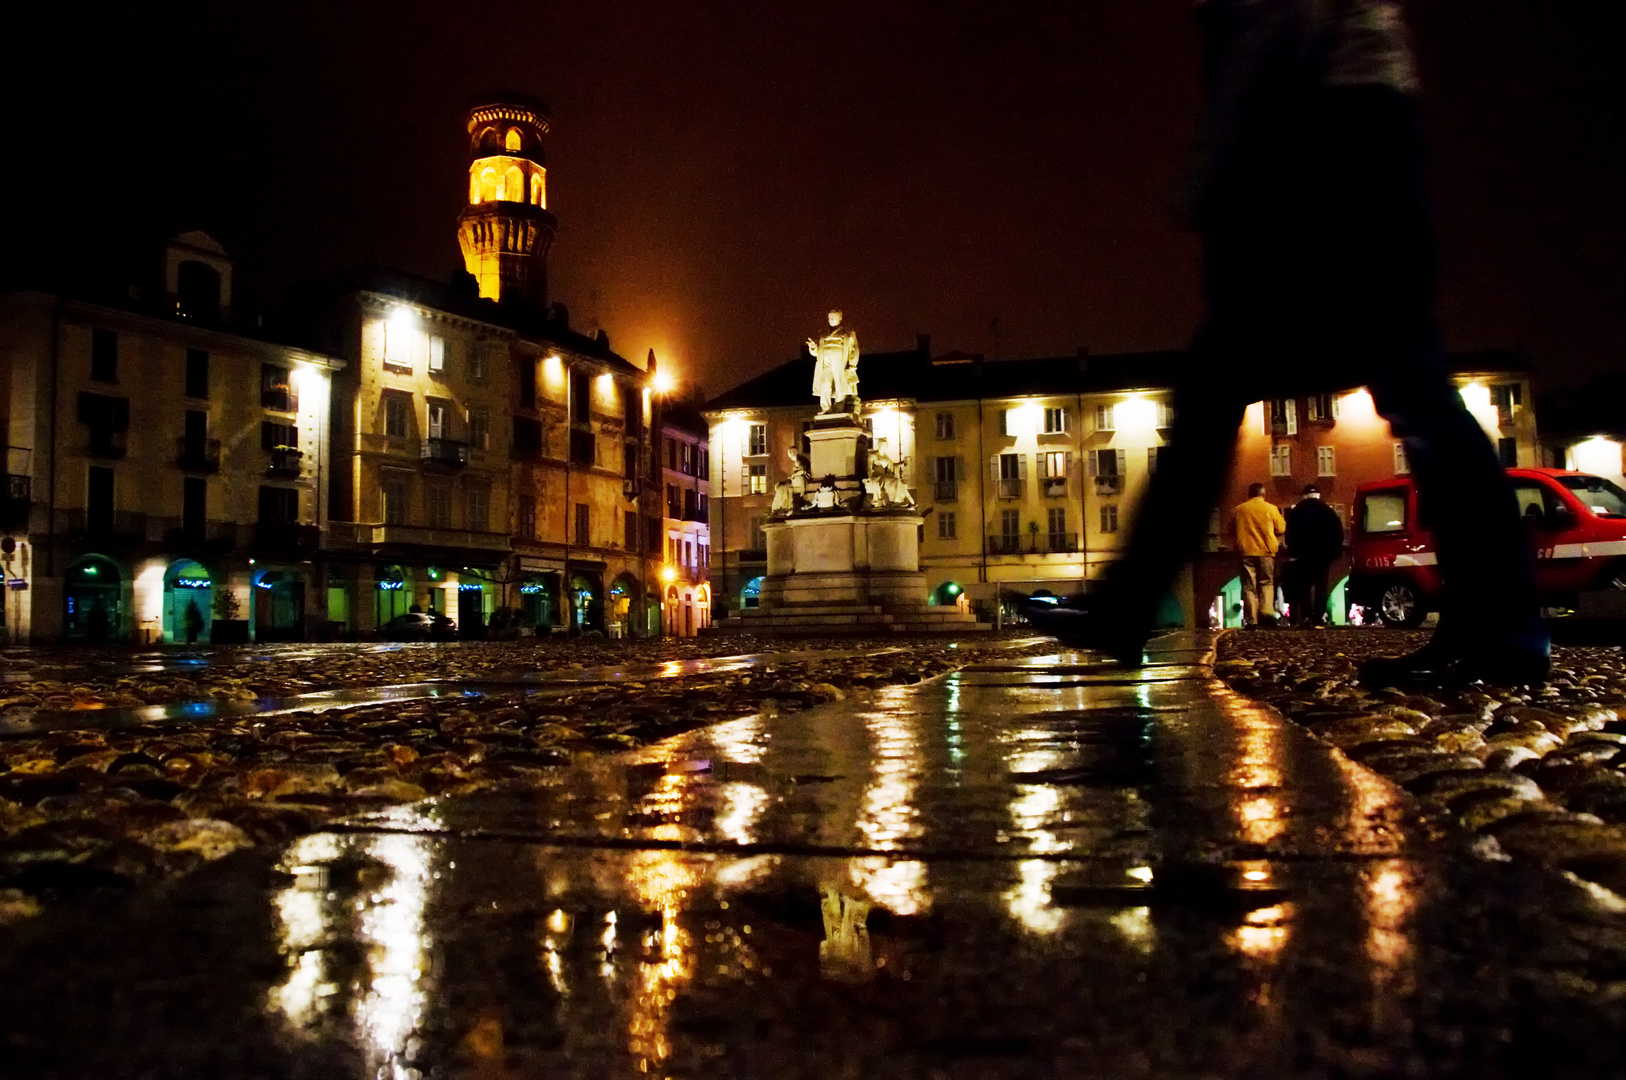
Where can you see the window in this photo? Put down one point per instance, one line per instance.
(1109, 468)
(1010, 529)
(1384, 512)
(581, 399)
(1281, 417)
(1010, 470)
(440, 420)
(279, 506)
(1322, 408)
(947, 474)
(275, 390)
(479, 429)
(1597, 495)
(1281, 460)
(477, 362)
(511, 139)
(1005, 421)
(759, 538)
(395, 416)
(527, 516)
(674, 501)
(583, 448)
(477, 508)
(392, 494)
(275, 436)
(756, 480)
(1055, 421)
(398, 345)
(945, 425)
(1165, 415)
(1109, 517)
(584, 524)
(757, 440)
(527, 437)
(437, 354)
(671, 453)
(1154, 458)
(688, 553)
(945, 524)
(1056, 519)
(629, 528)
(527, 384)
(197, 373)
(1054, 465)
(1326, 461)
(1506, 397)
(691, 506)
(1106, 418)
(671, 550)
(104, 356)
(705, 555)
(1507, 451)
(705, 461)
(686, 458)
(702, 506)
(438, 504)
(1402, 466)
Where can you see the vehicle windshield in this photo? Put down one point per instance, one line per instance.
(1597, 495)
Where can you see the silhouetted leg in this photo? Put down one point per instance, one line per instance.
(1173, 517)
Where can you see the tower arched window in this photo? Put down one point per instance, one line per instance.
(488, 139)
(513, 183)
(488, 185)
(474, 188)
(536, 188)
(512, 140)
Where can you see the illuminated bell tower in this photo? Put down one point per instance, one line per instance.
(505, 231)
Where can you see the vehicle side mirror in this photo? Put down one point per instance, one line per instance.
(1561, 517)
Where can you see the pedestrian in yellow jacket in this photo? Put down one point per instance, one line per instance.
(1258, 528)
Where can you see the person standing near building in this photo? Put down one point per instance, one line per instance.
(1319, 276)
(1257, 528)
(1315, 537)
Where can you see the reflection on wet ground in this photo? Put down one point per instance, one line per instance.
(962, 878)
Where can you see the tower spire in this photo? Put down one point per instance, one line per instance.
(505, 231)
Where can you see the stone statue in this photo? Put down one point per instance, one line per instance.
(885, 485)
(788, 494)
(835, 368)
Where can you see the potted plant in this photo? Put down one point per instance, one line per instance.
(228, 628)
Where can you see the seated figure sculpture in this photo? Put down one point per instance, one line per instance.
(885, 486)
(789, 494)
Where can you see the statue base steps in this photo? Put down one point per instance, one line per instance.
(836, 618)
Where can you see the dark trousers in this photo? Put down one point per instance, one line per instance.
(1306, 583)
(1320, 275)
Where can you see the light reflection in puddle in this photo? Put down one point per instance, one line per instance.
(887, 815)
(386, 913)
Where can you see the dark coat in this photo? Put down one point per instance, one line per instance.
(1314, 532)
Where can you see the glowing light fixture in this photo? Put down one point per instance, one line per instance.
(1136, 414)
(668, 574)
(664, 383)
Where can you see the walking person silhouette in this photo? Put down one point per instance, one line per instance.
(1319, 270)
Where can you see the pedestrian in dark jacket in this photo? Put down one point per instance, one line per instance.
(1319, 277)
(1315, 538)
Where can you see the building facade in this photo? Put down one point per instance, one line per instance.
(165, 464)
(684, 449)
(1028, 471)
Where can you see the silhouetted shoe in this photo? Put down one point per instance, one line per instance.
(1082, 625)
(1517, 660)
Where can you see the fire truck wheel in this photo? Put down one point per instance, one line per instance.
(1399, 605)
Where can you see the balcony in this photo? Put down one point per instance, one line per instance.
(1109, 484)
(197, 455)
(947, 490)
(366, 535)
(107, 444)
(279, 398)
(448, 452)
(115, 530)
(285, 462)
(1010, 488)
(1061, 543)
(1007, 545)
(286, 538)
(1054, 487)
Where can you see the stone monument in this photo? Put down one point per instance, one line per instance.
(843, 530)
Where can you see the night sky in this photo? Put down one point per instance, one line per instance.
(725, 171)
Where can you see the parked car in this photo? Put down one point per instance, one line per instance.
(417, 626)
(1577, 526)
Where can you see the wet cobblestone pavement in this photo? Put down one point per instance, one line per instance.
(1028, 868)
(1535, 773)
(102, 798)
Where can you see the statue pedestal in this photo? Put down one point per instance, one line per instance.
(837, 449)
